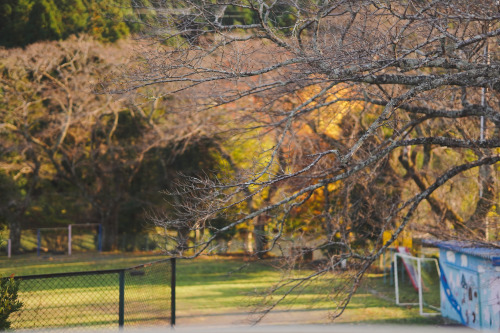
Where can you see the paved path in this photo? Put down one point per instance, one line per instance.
(317, 328)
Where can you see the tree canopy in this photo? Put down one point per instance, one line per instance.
(27, 21)
(381, 116)
(70, 156)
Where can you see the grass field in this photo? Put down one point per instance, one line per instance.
(205, 287)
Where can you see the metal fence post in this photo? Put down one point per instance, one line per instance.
(38, 242)
(69, 239)
(99, 238)
(121, 303)
(172, 293)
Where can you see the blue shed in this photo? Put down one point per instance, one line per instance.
(470, 284)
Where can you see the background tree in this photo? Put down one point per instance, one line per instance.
(70, 156)
(23, 22)
(413, 84)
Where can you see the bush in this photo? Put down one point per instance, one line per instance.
(8, 300)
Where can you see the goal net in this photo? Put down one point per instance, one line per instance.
(417, 282)
(67, 240)
(85, 237)
(52, 240)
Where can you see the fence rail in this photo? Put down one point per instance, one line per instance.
(84, 241)
(140, 295)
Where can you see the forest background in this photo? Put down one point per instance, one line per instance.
(68, 155)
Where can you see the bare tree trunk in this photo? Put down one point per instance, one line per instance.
(109, 220)
(183, 238)
(15, 236)
(17, 218)
(260, 236)
(487, 195)
(438, 207)
(249, 242)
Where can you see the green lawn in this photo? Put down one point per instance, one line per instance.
(45, 264)
(90, 299)
(204, 286)
(227, 286)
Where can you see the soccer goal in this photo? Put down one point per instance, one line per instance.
(52, 240)
(84, 237)
(75, 237)
(416, 282)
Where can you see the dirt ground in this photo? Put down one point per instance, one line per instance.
(276, 317)
(306, 321)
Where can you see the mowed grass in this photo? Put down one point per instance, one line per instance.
(45, 264)
(91, 299)
(222, 286)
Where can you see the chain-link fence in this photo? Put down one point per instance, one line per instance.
(85, 238)
(143, 295)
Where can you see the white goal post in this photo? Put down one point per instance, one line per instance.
(85, 225)
(69, 233)
(415, 278)
(8, 248)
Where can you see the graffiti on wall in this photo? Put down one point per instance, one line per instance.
(475, 300)
(492, 308)
(464, 287)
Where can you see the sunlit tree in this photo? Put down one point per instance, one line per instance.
(413, 87)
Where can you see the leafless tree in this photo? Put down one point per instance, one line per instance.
(382, 110)
(54, 130)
